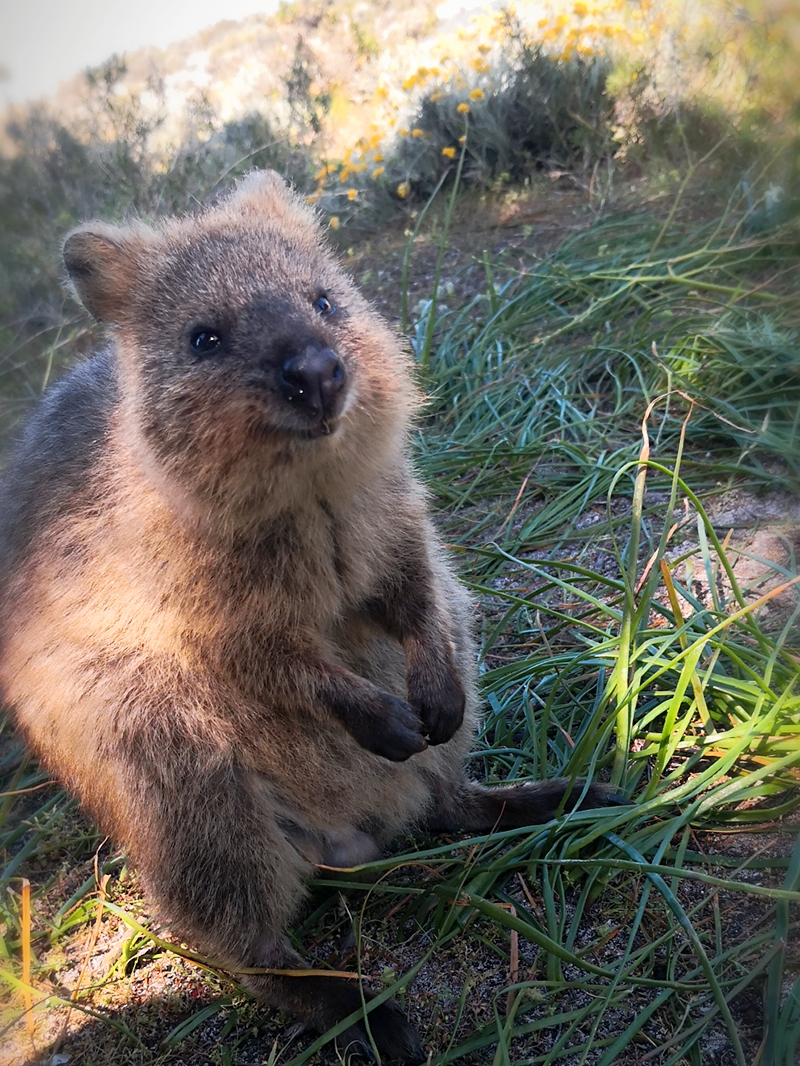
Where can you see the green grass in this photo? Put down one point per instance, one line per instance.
(584, 415)
(638, 369)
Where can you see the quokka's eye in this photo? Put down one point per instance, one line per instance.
(323, 305)
(205, 341)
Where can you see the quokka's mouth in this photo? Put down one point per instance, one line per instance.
(264, 429)
(325, 427)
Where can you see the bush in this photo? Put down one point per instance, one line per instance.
(539, 113)
(531, 112)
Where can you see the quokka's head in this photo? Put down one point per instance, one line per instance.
(238, 336)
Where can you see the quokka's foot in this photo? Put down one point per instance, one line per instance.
(470, 806)
(323, 1002)
(393, 1035)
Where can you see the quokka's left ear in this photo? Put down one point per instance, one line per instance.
(103, 262)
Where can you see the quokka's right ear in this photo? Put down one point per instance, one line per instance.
(102, 262)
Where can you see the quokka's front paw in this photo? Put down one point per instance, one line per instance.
(439, 699)
(393, 730)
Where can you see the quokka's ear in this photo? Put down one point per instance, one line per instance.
(264, 194)
(260, 185)
(102, 262)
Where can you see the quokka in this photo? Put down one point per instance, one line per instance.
(227, 622)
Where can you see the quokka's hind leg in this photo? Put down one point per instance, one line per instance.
(467, 805)
(321, 1002)
(223, 873)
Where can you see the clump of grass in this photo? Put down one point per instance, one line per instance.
(582, 412)
(561, 360)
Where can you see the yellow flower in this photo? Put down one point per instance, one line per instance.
(313, 198)
(463, 108)
(409, 83)
(461, 140)
(403, 189)
(417, 132)
(377, 158)
(580, 9)
(402, 132)
(345, 173)
(476, 94)
(449, 152)
(376, 173)
(320, 174)
(352, 194)
(333, 221)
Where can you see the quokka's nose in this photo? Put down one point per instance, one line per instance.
(313, 380)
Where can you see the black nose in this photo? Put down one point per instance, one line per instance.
(313, 380)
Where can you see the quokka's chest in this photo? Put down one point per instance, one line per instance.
(317, 563)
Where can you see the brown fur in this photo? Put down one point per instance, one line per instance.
(228, 624)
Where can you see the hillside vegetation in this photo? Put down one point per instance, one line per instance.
(584, 220)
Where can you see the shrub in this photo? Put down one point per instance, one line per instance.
(537, 113)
